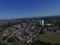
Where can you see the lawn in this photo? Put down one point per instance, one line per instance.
(51, 37)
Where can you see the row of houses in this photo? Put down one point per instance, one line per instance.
(23, 32)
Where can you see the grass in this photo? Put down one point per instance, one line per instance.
(51, 37)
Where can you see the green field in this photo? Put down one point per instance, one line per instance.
(51, 37)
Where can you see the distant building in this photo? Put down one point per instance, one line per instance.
(41, 22)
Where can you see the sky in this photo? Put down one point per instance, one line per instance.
(10, 9)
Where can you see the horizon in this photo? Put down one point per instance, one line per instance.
(31, 17)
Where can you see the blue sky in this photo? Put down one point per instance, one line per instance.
(28, 8)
